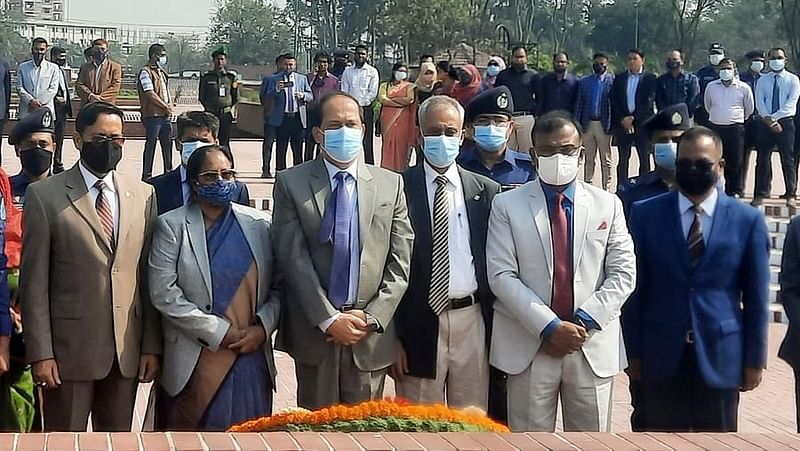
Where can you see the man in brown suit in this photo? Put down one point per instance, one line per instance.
(100, 79)
(90, 330)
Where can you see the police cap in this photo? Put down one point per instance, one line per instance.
(493, 101)
(675, 117)
(756, 53)
(40, 120)
(221, 50)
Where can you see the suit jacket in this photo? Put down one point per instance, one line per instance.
(583, 101)
(181, 284)
(107, 86)
(7, 85)
(705, 298)
(645, 99)
(520, 264)
(278, 106)
(790, 294)
(42, 88)
(417, 325)
(66, 105)
(169, 192)
(386, 238)
(85, 303)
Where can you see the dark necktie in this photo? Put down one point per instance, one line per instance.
(695, 239)
(439, 293)
(339, 286)
(776, 96)
(104, 212)
(562, 303)
(66, 85)
(290, 100)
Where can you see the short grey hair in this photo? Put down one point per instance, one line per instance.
(440, 102)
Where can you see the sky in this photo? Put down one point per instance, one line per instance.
(191, 13)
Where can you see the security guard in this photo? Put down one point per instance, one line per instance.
(706, 75)
(489, 123)
(665, 130)
(33, 139)
(219, 93)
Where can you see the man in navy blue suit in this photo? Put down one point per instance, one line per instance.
(195, 130)
(696, 327)
(289, 93)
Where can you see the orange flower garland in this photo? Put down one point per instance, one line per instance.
(396, 408)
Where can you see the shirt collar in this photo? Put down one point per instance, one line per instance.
(709, 204)
(641, 71)
(333, 170)
(451, 174)
(550, 191)
(90, 179)
(472, 155)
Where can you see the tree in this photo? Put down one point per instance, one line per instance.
(255, 30)
(13, 47)
(687, 15)
(182, 54)
(790, 21)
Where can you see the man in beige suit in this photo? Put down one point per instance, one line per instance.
(100, 79)
(343, 240)
(91, 332)
(561, 263)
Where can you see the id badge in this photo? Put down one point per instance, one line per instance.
(222, 91)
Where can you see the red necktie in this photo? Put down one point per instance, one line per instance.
(562, 302)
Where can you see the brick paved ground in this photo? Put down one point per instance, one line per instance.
(769, 409)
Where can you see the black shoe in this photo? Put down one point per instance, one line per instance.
(757, 201)
(58, 169)
(266, 175)
(786, 196)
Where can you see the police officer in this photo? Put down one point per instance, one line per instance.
(219, 93)
(33, 139)
(489, 124)
(665, 129)
(707, 74)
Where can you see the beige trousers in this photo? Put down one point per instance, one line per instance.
(595, 139)
(533, 396)
(462, 364)
(521, 138)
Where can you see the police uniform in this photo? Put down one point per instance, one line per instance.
(39, 121)
(516, 167)
(219, 93)
(706, 75)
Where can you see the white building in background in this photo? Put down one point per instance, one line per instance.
(60, 31)
(55, 10)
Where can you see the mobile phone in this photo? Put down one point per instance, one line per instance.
(288, 84)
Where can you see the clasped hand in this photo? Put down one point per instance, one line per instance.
(565, 339)
(244, 341)
(348, 328)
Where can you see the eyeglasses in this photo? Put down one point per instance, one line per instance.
(568, 150)
(213, 176)
(99, 140)
(483, 122)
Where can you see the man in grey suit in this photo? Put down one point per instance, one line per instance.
(343, 240)
(790, 298)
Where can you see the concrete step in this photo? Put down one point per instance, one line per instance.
(777, 315)
(775, 257)
(774, 293)
(774, 274)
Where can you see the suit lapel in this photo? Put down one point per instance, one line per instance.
(251, 235)
(320, 185)
(541, 218)
(82, 201)
(196, 230)
(580, 222)
(126, 207)
(420, 213)
(366, 201)
(475, 203)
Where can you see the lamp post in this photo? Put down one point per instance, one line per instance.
(636, 36)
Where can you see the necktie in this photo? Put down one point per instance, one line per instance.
(695, 239)
(290, 101)
(776, 96)
(439, 292)
(104, 212)
(339, 286)
(562, 303)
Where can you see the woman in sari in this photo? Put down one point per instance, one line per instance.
(493, 68)
(468, 84)
(398, 123)
(211, 279)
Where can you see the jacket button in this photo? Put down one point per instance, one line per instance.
(208, 308)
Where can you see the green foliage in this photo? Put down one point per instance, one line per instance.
(255, 30)
(13, 47)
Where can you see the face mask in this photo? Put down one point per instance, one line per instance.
(37, 58)
(777, 64)
(36, 161)
(673, 65)
(665, 154)
(219, 193)
(400, 76)
(102, 158)
(757, 66)
(695, 178)
(558, 169)
(715, 59)
(441, 151)
(61, 62)
(492, 71)
(188, 148)
(560, 70)
(162, 62)
(343, 144)
(491, 138)
(599, 68)
(100, 56)
(726, 74)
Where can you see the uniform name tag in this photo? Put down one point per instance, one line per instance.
(222, 91)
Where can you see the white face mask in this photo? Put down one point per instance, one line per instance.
(757, 66)
(162, 62)
(726, 74)
(777, 65)
(558, 169)
(400, 76)
(715, 59)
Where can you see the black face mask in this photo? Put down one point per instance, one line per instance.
(37, 58)
(36, 161)
(102, 158)
(695, 178)
(598, 68)
(61, 62)
(673, 64)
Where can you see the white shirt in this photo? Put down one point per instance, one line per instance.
(728, 105)
(186, 189)
(463, 281)
(706, 217)
(289, 94)
(789, 86)
(110, 194)
(361, 83)
(147, 84)
(97, 73)
(351, 188)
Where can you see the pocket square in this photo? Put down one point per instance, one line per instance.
(603, 226)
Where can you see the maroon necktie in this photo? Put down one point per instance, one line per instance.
(562, 263)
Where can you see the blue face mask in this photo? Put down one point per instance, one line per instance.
(343, 144)
(665, 155)
(441, 151)
(492, 71)
(491, 138)
(219, 193)
(188, 148)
